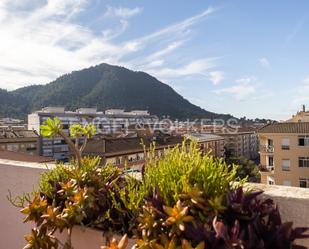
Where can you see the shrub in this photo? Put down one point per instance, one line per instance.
(184, 167)
(245, 168)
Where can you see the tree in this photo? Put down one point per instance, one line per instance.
(246, 168)
(53, 127)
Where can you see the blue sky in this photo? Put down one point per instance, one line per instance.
(247, 58)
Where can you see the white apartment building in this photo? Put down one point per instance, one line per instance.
(108, 122)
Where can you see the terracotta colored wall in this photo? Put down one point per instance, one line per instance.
(17, 179)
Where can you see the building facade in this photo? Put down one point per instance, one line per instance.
(133, 151)
(241, 142)
(19, 140)
(111, 122)
(210, 144)
(284, 154)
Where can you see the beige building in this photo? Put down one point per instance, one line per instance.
(241, 142)
(284, 154)
(301, 116)
(209, 143)
(131, 152)
(19, 140)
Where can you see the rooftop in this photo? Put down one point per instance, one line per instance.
(204, 137)
(286, 127)
(7, 133)
(117, 146)
(61, 111)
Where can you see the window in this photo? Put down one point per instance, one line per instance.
(270, 161)
(303, 140)
(285, 145)
(286, 164)
(47, 143)
(303, 162)
(270, 142)
(270, 180)
(57, 141)
(12, 147)
(303, 183)
(31, 148)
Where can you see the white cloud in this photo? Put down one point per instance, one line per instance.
(216, 77)
(196, 67)
(244, 88)
(264, 62)
(122, 12)
(296, 29)
(177, 29)
(42, 41)
(171, 47)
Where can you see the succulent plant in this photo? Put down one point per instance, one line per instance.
(177, 216)
(114, 244)
(242, 221)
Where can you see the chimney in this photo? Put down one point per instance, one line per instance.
(304, 108)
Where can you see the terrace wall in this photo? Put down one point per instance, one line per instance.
(23, 177)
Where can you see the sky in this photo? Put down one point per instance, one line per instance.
(246, 58)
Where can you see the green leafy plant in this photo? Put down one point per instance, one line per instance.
(53, 127)
(79, 193)
(184, 167)
(245, 168)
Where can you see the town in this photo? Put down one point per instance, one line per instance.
(123, 139)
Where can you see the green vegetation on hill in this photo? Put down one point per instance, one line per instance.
(12, 105)
(103, 86)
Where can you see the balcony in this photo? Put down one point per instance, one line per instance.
(20, 177)
(267, 149)
(267, 168)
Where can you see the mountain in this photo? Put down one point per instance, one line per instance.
(103, 86)
(11, 104)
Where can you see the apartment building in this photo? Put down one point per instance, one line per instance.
(241, 142)
(109, 122)
(209, 143)
(284, 153)
(130, 151)
(19, 140)
(300, 116)
(12, 122)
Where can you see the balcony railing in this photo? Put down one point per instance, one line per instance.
(267, 168)
(267, 149)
